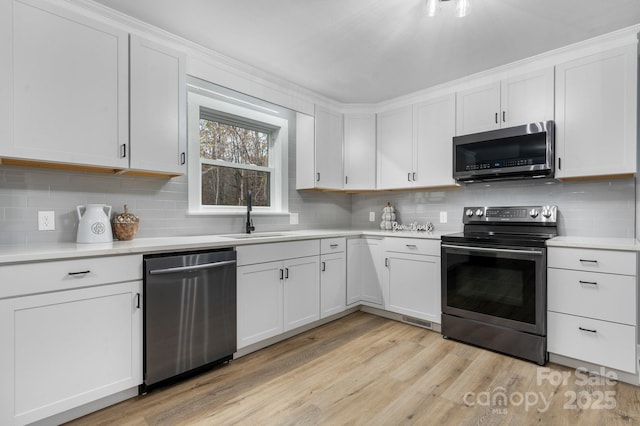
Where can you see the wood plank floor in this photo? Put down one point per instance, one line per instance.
(367, 370)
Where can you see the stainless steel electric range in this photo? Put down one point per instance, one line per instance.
(494, 280)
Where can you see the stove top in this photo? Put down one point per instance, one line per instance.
(523, 226)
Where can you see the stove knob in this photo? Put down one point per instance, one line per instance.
(479, 212)
(469, 213)
(534, 213)
(546, 212)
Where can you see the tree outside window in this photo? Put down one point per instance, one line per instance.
(234, 159)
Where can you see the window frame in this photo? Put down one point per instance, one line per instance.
(278, 155)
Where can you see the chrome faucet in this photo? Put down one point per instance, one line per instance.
(249, 225)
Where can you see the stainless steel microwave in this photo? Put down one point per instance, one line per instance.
(520, 152)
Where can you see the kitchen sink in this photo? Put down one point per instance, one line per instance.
(255, 235)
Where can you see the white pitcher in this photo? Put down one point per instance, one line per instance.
(94, 226)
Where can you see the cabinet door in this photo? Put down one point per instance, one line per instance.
(301, 292)
(371, 271)
(333, 284)
(596, 114)
(527, 98)
(360, 151)
(158, 107)
(354, 267)
(477, 109)
(6, 79)
(413, 285)
(259, 302)
(70, 87)
(434, 123)
(69, 348)
(328, 149)
(305, 153)
(395, 148)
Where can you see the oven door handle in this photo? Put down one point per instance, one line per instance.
(493, 250)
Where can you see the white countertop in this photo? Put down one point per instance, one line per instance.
(603, 243)
(55, 251)
(12, 253)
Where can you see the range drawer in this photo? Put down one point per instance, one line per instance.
(38, 277)
(610, 261)
(412, 245)
(608, 344)
(332, 245)
(607, 297)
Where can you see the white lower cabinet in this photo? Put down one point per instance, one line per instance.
(592, 304)
(301, 292)
(333, 276)
(278, 289)
(364, 271)
(412, 277)
(67, 348)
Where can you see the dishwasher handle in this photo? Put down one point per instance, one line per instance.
(192, 267)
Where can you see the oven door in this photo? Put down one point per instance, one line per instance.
(499, 285)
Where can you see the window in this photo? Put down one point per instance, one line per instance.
(237, 149)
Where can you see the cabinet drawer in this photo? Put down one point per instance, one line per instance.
(413, 246)
(608, 344)
(39, 277)
(332, 245)
(607, 297)
(261, 253)
(611, 261)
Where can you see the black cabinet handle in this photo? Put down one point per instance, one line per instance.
(386, 262)
(504, 116)
(588, 282)
(75, 274)
(123, 150)
(286, 272)
(409, 177)
(183, 158)
(138, 300)
(559, 163)
(317, 177)
(587, 330)
(324, 266)
(282, 274)
(588, 261)
(496, 118)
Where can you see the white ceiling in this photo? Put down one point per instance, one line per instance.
(367, 51)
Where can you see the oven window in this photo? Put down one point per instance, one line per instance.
(495, 286)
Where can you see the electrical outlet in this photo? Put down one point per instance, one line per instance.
(443, 217)
(372, 216)
(293, 218)
(46, 221)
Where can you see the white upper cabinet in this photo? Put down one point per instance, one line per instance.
(319, 150)
(435, 125)
(478, 109)
(328, 149)
(511, 102)
(395, 148)
(527, 98)
(158, 108)
(596, 102)
(359, 151)
(415, 145)
(69, 79)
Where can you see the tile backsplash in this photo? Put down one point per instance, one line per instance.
(161, 205)
(602, 208)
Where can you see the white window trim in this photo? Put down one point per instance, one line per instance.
(278, 154)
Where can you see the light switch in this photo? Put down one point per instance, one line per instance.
(293, 218)
(443, 217)
(372, 216)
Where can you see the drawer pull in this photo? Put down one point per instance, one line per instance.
(333, 245)
(587, 329)
(588, 282)
(76, 274)
(588, 261)
(324, 266)
(411, 246)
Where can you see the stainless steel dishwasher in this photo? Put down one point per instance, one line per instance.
(189, 313)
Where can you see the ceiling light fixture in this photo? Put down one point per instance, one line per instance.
(431, 7)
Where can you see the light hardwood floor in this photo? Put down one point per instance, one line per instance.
(367, 370)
